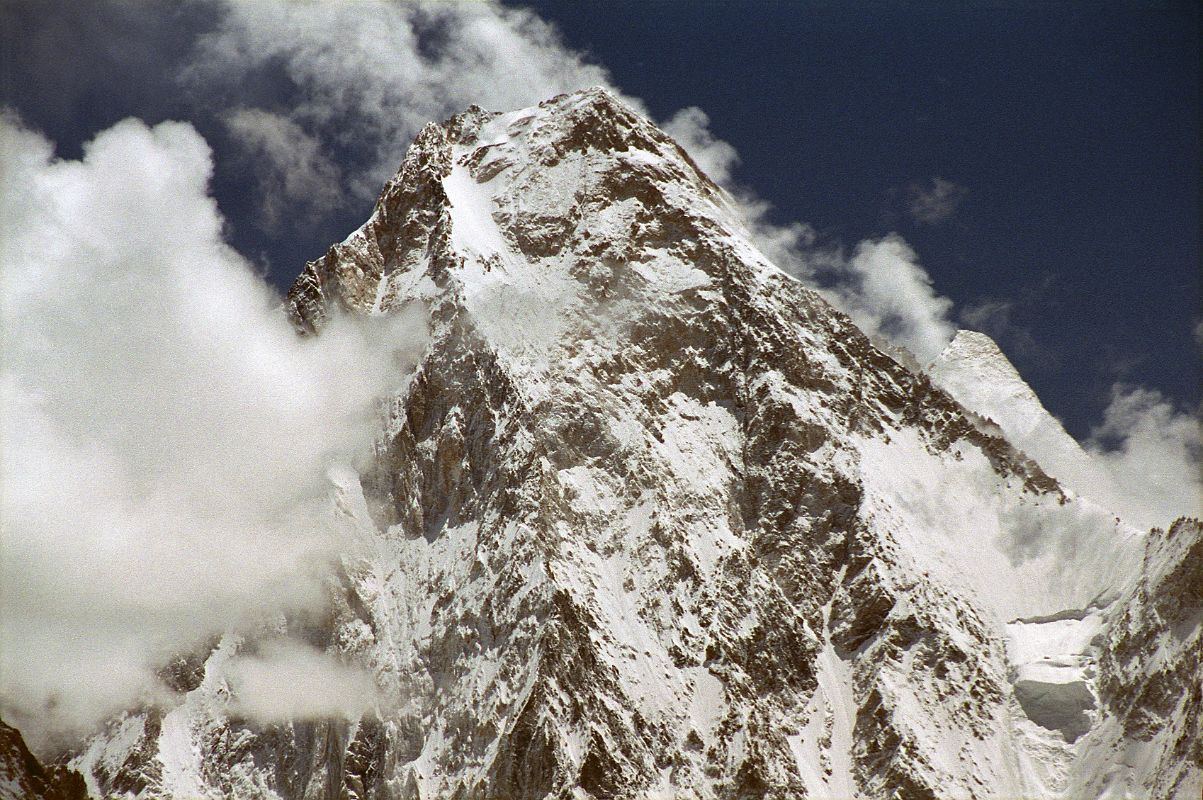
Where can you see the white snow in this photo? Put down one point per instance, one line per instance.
(472, 227)
(179, 755)
(975, 372)
(110, 751)
(1053, 663)
(1017, 553)
(1030, 641)
(381, 293)
(823, 749)
(708, 703)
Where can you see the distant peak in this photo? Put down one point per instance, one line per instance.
(972, 355)
(977, 349)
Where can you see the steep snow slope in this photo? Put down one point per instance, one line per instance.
(1150, 683)
(976, 373)
(653, 520)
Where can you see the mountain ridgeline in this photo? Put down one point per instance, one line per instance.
(653, 520)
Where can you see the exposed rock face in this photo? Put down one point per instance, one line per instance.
(653, 520)
(1150, 676)
(23, 777)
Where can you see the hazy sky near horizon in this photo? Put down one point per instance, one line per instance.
(1042, 160)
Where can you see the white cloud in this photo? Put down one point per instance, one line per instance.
(294, 175)
(992, 317)
(1151, 456)
(882, 287)
(934, 202)
(165, 433)
(371, 74)
(690, 127)
(956, 513)
(888, 294)
(286, 680)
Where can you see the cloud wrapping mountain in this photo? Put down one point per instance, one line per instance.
(166, 433)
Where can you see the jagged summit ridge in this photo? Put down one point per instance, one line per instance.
(522, 172)
(654, 520)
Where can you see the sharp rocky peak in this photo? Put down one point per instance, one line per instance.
(579, 175)
(651, 519)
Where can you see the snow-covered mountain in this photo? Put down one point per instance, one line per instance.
(976, 373)
(653, 520)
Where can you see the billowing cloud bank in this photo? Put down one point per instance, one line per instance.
(286, 680)
(1146, 459)
(165, 432)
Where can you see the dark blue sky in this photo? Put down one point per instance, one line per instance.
(1074, 127)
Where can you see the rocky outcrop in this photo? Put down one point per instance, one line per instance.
(1149, 680)
(24, 777)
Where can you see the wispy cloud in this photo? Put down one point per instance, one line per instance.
(287, 680)
(1151, 457)
(888, 293)
(369, 80)
(934, 201)
(1141, 463)
(882, 285)
(997, 319)
(988, 316)
(690, 127)
(295, 177)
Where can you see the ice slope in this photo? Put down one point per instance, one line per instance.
(976, 372)
(653, 520)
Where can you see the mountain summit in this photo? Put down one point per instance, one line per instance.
(652, 519)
